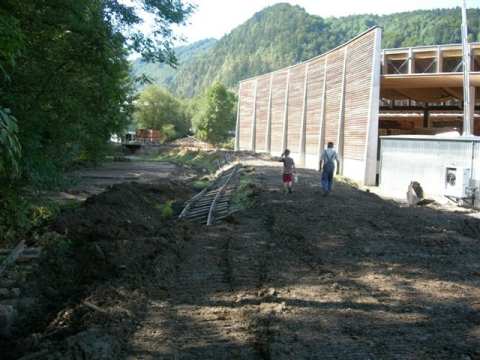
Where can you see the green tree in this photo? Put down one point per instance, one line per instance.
(11, 43)
(66, 77)
(10, 148)
(158, 45)
(215, 115)
(157, 109)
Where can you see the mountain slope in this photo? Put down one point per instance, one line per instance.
(283, 34)
(165, 75)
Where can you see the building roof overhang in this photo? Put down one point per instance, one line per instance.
(429, 87)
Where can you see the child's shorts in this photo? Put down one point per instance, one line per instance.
(287, 178)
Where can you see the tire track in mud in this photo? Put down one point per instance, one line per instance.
(223, 303)
(210, 309)
(220, 304)
(306, 277)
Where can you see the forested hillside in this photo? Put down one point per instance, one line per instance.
(283, 34)
(165, 75)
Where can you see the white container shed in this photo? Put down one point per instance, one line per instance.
(426, 159)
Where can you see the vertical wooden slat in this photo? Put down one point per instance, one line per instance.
(304, 119)
(341, 113)
(321, 137)
(285, 115)
(279, 87)
(295, 107)
(247, 106)
(254, 118)
(268, 132)
(315, 85)
(262, 112)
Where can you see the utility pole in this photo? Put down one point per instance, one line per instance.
(467, 116)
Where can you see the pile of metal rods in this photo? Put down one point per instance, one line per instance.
(212, 203)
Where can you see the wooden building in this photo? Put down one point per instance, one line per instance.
(349, 96)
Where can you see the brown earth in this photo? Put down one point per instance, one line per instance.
(125, 211)
(300, 276)
(350, 276)
(95, 180)
(97, 255)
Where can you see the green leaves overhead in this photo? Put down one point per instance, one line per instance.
(66, 74)
(10, 148)
(156, 47)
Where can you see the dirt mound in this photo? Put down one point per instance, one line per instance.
(91, 344)
(88, 286)
(123, 211)
(191, 142)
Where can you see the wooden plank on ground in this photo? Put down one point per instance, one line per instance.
(13, 256)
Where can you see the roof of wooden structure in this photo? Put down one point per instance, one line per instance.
(433, 87)
(403, 79)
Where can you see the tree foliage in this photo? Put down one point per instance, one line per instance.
(10, 148)
(66, 74)
(215, 114)
(165, 75)
(157, 109)
(11, 42)
(156, 47)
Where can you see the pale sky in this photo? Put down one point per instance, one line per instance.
(214, 18)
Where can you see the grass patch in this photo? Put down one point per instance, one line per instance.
(207, 161)
(201, 184)
(228, 145)
(347, 181)
(244, 196)
(167, 210)
(24, 216)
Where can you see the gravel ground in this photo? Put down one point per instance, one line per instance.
(300, 276)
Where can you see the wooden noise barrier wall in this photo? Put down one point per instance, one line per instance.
(332, 97)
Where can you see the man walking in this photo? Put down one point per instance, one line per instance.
(327, 166)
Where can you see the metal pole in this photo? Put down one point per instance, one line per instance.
(285, 115)
(467, 116)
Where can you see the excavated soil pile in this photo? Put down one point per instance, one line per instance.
(124, 211)
(87, 289)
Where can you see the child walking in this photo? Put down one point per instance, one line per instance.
(288, 171)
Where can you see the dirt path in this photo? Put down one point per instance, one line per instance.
(300, 276)
(92, 181)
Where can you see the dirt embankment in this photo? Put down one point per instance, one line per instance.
(125, 211)
(89, 285)
(298, 276)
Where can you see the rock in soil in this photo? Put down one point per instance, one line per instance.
(90, 344)
(8, 316)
